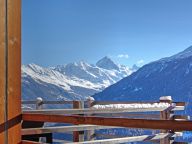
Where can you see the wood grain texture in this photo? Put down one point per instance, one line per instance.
(2, 66)
(120, 122)
(14, 68)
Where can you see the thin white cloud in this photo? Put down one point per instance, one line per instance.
(140, 62)
(123, 56)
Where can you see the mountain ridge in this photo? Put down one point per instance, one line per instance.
(167, 76)
(70, 81)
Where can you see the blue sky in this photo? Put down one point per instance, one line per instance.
(62, 31)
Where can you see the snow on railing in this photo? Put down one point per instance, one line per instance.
(135, 105)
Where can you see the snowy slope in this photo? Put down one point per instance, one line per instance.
(71, 81)
(167, 76)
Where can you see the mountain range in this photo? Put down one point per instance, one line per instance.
(73, 81)
(170, 76)
(107, 80)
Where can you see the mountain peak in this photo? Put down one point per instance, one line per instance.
(107, 63)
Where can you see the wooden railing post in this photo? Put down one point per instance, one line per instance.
(90, 133)
(39, 103)
(165, 115)
(78, 136)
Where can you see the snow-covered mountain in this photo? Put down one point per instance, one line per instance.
(168, 76)
(71, 81)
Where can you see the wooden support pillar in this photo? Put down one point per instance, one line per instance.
(78, 136)
(10, 71)
(2, 71)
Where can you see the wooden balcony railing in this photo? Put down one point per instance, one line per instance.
(85, 118)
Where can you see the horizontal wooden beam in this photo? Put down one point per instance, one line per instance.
(132, 102)
(48, 102)
(100, 102)
(121, 102)
(135, 115)
(180, 117)
(98, 111)
(95, 102)
(119, 122)
(111, 136)
(30, 142)
(90, 111)
(127, 139)
(107, 135)
(60, 141)
(180, 143)
(62, 129)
